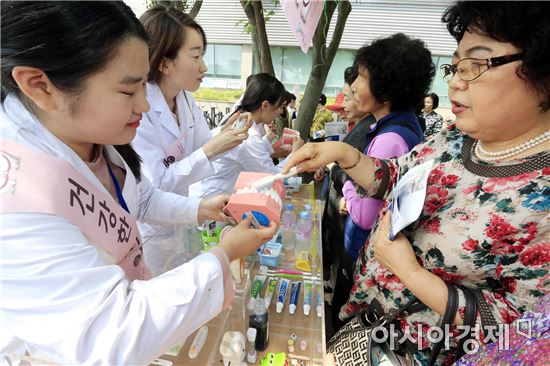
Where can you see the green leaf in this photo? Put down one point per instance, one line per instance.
(487, 197)
(504, 206)
(528, 274)
(445, 157)
(437, 256)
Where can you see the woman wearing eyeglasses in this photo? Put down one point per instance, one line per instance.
(484, 221)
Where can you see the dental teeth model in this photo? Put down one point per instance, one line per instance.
(265, 203)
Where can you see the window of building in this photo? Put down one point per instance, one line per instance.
(439, 86)
(293, 67)
(223, 61)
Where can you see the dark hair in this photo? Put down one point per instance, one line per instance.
(400, 69)
(166, 28)
(323, 99)
(291, 97)
(68, 40)
(435, 100)
(525, 24)
(260, 87)
(350, 74)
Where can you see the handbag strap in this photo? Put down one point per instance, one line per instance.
(487, 318)
(447, 319)
(470, 315)
(414, 305)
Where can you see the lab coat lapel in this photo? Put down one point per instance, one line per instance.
(187, 121)
(161, 111)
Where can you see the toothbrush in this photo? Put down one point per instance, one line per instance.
(265, 270)
(264, 182)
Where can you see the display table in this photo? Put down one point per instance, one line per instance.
(309, 328)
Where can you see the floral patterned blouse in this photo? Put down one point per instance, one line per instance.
(434, 123)
(483, 225)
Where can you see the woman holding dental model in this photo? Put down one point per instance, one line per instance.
(484, 221)
(264, 99)
(174, 140)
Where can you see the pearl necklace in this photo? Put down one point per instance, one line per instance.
(505, 154)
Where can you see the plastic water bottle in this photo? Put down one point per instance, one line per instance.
(288, 224)
(304, 231)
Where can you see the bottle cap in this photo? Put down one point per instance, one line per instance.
(292, 308)
(304, 215)
(259, 307)
(251, 334)
(279, 307)
(307, 206)
(289, 206)
(306, 309)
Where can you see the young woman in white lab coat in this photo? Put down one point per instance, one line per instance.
(264, 99)
(174, 140)
(64, 299)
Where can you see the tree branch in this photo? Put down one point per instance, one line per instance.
(195, 9)
(263, 42)
(249, 11)
(344, 8)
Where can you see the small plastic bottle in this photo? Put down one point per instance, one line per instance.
(304, 230)
(288, 224)
(259, 319)
(251, 337)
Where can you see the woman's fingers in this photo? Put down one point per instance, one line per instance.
(300, 158)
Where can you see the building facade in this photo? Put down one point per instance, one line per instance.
(229, 54)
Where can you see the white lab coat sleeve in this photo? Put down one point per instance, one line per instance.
(267, 144)
(254, 156)
(159, 207)
(70, 306)
(178, 176)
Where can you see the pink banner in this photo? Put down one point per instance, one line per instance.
(303, 16)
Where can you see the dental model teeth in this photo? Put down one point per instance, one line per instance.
(247, 197)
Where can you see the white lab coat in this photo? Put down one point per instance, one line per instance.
(64, 300)
(253, 155)
(158, 129)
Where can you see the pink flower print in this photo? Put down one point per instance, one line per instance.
(496, 185)
(536, 255)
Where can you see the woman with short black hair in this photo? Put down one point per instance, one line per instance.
(434, 121)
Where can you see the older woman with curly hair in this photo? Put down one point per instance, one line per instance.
(387, 90)
(483, 229)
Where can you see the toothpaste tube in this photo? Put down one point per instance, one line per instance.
(255, 289)
(318, 300)
(270, 290)
(294, 292)
(307, 296)
(283, 289)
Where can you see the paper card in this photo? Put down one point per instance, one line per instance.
(339, 129)
(408, 197)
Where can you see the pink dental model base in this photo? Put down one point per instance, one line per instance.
(267, 201)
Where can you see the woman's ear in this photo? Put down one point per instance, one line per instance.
(164, 66)
(265, 105)
(36, 85)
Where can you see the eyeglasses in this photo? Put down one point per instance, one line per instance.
(471, 68)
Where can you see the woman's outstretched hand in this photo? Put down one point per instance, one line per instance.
(315, 155)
